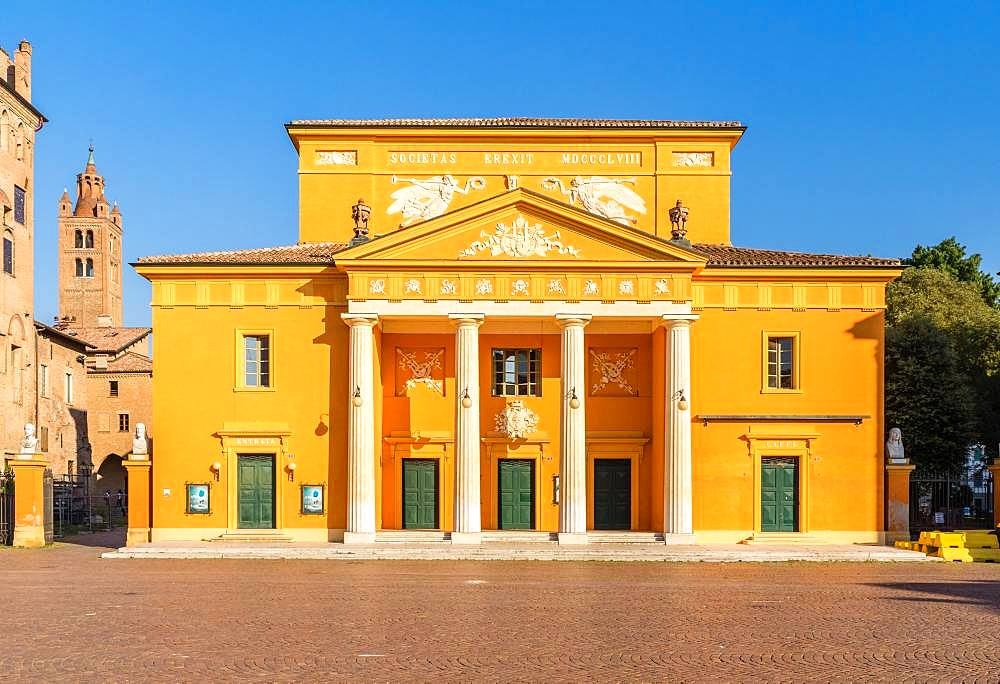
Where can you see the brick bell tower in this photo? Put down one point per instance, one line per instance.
(90, 254)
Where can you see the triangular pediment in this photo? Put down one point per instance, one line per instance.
(516, 229)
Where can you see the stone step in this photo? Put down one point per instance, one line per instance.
(783, 538)
(411, 536)
(518, 536)
(254, 536)
(624, 537)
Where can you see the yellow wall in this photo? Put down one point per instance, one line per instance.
(327, 191)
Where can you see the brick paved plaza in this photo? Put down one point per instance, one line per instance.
(70, 616)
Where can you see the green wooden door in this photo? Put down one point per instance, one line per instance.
(420, 493)
(612, 494)
(255, 485)
(517, 494)
(779, 495)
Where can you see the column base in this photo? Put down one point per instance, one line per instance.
(573, 538)
(678, 538)
(29, 536)
(136, 535)
(466, 537)
(359, 537)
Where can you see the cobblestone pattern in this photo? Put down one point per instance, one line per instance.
(212, 620)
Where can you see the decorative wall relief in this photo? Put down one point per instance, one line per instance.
(336, 158)
(556, 287)
(662, 286)
(607, 197)
(519, 287)
(612, 372)
(418, 366)
(517, 420)
(590, 288)
(427, 198)
(519, 240)
(448, 287)
(377, 286)
(413, 286)
(692, 159)
(484, 286)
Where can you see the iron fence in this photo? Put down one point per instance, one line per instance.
(79, 507)
(951, 501)
(6, 508)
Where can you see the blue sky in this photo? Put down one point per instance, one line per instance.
(872, 126)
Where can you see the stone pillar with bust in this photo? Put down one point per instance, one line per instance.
(28, 468)
(361, 431)
(138, 476)
(573, 436)
(897, 489)
(678, 516)
(468, 510)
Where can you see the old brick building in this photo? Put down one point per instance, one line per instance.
(19, 122)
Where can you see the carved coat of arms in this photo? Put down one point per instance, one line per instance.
(517, 420)
(519, 240)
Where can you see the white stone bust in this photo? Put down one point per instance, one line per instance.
(29, 445)
(894, 446)
(140, 444)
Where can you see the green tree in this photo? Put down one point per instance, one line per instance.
(955, 383)
(926, 394)
(949, 256)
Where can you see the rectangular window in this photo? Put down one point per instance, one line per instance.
(122, 422)
(256, 360)
(113, 388)
(19, 205)
(8, 255)
(69, 387)
(517, 372)
(781, 366)
(43, 380)
(43, 438)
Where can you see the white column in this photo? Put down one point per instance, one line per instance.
(361, 432)
(467, 528)
(573, 437)
(677, 501)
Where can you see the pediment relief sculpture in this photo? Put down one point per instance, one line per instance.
(427, 198)
(611, 198)
(519, 240)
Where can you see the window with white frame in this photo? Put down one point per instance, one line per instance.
(517, 372)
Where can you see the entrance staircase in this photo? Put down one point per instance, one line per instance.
(412, 537)
(624, 537)
(257, 536)
(783, 539)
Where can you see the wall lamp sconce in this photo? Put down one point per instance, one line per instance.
(574, 401)
(291, 471)
(356, 400)
(555, 489)
(682, 402)
(466, 399)
(216, 467)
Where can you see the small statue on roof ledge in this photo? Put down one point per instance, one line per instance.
(360, 212)
(678, 222)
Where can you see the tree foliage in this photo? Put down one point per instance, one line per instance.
(942, 365)
(948, 256)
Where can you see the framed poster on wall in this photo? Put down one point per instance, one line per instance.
(312, 499)
(198, 498)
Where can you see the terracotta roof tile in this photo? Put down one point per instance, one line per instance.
(303, 253)
(514, 122)
(130, 362)
(726, 255)
(107, 339)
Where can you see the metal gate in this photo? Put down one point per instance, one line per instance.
(7, 508)
(47, 502)
(951, 501)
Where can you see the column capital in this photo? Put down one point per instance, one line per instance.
(353, 319)
(462, 320)
(571, 320)
(672, 320)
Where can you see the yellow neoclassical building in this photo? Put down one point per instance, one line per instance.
(527, 329)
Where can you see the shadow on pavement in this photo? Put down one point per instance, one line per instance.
(984, 593)
(111, 539)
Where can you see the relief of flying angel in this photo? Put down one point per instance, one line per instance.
(607, 197)
(427, 198)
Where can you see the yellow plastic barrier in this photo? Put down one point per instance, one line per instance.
(963, 546)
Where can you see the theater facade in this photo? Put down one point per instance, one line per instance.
(526, 329)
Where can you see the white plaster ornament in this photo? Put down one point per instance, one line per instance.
(377, 287)
(611, 369)
(517, 420)
(422, 372)
(448, 287)
(603, 196)
(519, 240)
(427, 198)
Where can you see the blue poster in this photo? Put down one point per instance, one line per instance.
(197, 498)
(312, 499)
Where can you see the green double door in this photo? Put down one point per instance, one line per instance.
(420, 494)
(612, 494)
(779, 495)
(255, 491)
(517, 494)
